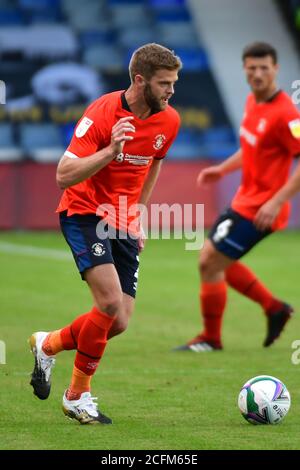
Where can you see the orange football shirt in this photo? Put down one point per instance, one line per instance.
(270, 138)
(125, 175)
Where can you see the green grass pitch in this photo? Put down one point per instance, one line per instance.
(157, 399)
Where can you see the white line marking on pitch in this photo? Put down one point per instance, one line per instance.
(27, 250)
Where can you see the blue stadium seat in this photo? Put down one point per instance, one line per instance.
(177, 34)
(92, 37)
(10, 17)
(219, 135)
(39, 4)
(136, 37)
(121, 2)
(186, 146)
(218, 151)
(67, 131)
(193, 58)
(103, 57)
(42, 142)
(176, 14)
(166, 4)
(87, 16)
(129, 15)
(9, 151)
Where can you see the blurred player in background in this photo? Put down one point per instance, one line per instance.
(116, 150)
(270, 139)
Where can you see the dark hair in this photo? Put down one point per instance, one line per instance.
(260, 49)
(151, 57)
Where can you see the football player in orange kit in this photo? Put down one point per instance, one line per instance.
(115, 154)
(270, 139)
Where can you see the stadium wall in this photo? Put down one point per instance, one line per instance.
(29, 195)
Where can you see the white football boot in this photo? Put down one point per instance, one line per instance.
(41, 375)
(85, 410)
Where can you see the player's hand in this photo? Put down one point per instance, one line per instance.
(209, 175)
(119, 134)
(266, 215)
(141, 239)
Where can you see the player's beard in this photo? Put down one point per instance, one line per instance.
(154, 103)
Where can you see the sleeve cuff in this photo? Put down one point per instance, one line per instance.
(70, 154)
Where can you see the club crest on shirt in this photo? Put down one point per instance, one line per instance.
(83, 126)
(295, 128)
(159, 141)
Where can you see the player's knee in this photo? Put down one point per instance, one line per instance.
(121, 326)
(207, 265)
(204, 265)
(111, 304)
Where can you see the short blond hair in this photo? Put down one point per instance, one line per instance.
(147, 59)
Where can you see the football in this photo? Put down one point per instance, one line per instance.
(264, 400)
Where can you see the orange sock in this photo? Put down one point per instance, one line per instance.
(242, 279)
(64, 339)
(92, 340)
(69, 334)
(213, 300)
(52, 343)
(80, 383)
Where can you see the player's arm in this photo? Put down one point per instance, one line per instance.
(216, 172)
(269, 211)
(150, 182)
(71, 171)
(146, 194)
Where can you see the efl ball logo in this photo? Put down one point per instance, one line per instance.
(83, 127)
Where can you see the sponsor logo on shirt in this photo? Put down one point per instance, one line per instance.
(159, 141)
(295, 128)
(248, 136)
(133, 159)
(83, 127)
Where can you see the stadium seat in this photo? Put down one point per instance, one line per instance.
(48, 41)
(41, 142)
(88, 16)
(9, 16)
(121, 2)
(43, 11)
(136, 37)
(219, 135)
(38, 4)
(218, 151)
(99, 35)
(176, 14)
(9, 152)
(187, 146)
(177, 33)
(103, 57)
(129, 15)
(69, 6)
(193, 58)
(166, 4)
